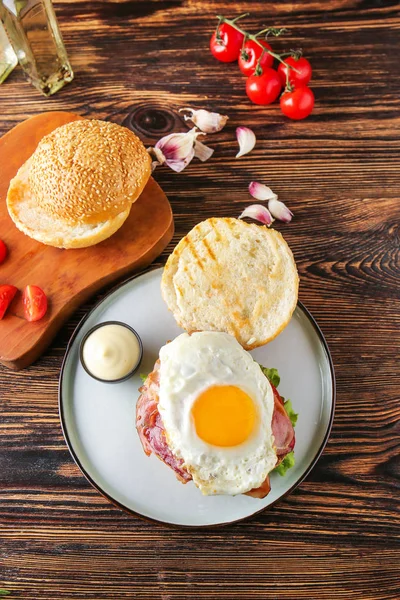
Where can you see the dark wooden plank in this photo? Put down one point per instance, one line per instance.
(337, 535)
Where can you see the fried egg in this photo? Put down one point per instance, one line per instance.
(217, 406)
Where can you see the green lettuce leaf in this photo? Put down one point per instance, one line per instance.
(143, 376)
(286, 464)
(290, 412)
(272, 375)
(288, 461)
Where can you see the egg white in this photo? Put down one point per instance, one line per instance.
(189, 365)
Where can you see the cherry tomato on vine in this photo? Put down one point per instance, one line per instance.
(297, 104)
(302, 77)
(3, 251)
(226, 47)
(265, 88)
(35, 303)
(249, 55)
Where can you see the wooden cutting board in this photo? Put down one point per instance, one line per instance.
(69, 277)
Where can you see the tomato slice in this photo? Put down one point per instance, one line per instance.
(35, 303)
(3, 251)
(7, 293)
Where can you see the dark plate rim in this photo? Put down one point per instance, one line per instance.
(152, 519)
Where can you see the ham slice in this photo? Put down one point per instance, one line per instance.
(152, 433)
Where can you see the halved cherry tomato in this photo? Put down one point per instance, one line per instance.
(250, 54)
(297, 104)
(301, 76)
(7, 293)
(265, 88)
(226, 47)
(3, 251)
(35, 303)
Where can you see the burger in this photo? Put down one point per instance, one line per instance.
(78, 187)
(208, 410)
(210, 413)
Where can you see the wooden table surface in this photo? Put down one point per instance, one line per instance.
(336, 536)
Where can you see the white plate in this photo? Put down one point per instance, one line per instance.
(98, 419)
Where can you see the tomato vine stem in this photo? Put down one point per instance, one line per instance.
(251, 36)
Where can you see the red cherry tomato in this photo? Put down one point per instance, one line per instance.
(7, 293)
(297, 104)
(3, 251)
(35, 303)
(227, 47)
(265, 88)
(302, 77)
(250, 54)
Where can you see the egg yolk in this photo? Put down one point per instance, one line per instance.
(224, 415)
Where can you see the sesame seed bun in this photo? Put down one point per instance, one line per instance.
(78, 187)
(228, 275)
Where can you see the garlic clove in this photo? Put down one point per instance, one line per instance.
(279, 210)
(246, 139)
(206, 121)
(176, 150)
(177, 146)
(179, 165)
(258, 213)
(261, 192)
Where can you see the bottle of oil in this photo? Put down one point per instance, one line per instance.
(34, 34)
(8, 59)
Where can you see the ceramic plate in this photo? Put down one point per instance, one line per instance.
(98, 419)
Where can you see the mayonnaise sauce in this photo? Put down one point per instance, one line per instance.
(111, 352)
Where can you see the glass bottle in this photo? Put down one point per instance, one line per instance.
(8, 58)
(33, 31)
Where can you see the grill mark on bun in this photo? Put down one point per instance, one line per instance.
(209, 250)
(195, 254)
(248, 289)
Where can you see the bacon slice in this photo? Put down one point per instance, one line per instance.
(152, 433)
(282, 428)
(261, 491)
(150, 426)
(283, 431)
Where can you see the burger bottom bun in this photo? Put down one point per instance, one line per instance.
(37, 224)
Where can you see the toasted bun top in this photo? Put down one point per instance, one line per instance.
(227, 275)
(88, 171)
